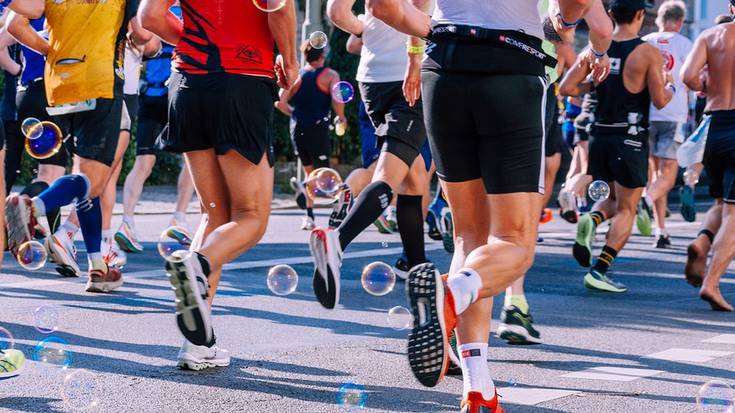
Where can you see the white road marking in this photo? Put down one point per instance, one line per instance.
(613, 373)
(721, 339)
(688, 355)
(530, 396)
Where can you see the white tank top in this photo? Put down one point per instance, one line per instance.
(383, 57)
(131, 68)
(519, 15)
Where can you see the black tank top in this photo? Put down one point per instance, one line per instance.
(616, 105)
(311, 105)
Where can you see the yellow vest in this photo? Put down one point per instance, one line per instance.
(85, 59)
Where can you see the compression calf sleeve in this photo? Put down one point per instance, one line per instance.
(64, 191)
(373, 200)
(411, 227)
(90, 221)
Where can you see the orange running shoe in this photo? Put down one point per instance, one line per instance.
(546, 216)
(474, 403)
(434, 319)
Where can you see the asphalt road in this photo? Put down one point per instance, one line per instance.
(643, 351)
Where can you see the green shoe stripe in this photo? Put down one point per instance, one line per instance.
(592, 282)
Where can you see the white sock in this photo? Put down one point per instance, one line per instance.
(180, 217)
(97, 261)
(68, 229)
(39, 208)
(107, 234)
(128, 219)
(475, 371)
(465, 287)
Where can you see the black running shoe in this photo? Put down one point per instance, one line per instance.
(688, 208)
(401, 267)
(517, 327)
(662, 242)
(193, 315)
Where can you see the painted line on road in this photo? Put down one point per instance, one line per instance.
(688, 355)
(721, 339)
(613, 373)
(531, 396)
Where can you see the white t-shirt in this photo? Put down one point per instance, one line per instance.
(131, 68)
(383, 57)
(519, 15)
(675, 49)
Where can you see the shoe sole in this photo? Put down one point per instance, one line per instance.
(194, 324)
(326, 289)
(103, 287)
(581, 252)
(194, 365)
(428, 343)
(593, 284)
(383, 227)
(16, 213)
(126, 244)
(448, 233)
(688, 210)
(59, 255)
(517, 335)
(402, 274)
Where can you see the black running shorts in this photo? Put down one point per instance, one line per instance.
(312, 144)
(619, 157)
(95, 132)
(152, 118)
(553, 139)
(719, 156)
(31, 103)
(487, 126)
(399, 128)
(131, 106)
(222, 111)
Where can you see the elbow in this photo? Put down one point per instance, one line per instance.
(148, 22)
(567, 90)
(661, 102)
(35, 11)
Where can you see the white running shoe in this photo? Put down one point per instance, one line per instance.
(327, 253)
(113, 254)
(190, 285)
(307, 224)
(193, 357)
(61, 250)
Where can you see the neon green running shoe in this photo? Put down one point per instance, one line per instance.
(595, 280)
(582, 249)
(643, 218)
(11, 363)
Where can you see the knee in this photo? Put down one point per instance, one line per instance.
(257, 214)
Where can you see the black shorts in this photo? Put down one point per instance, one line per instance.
(130, 115)
(553, 139)
(399, 128)
(221, 111)
(95, 132)
(31, 103)
(719, 156)
(487, 126)
(2, 141)
(152, 118)
(615, 156)
(312, 143)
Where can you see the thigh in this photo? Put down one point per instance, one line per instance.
(599, 152)
(470, 217)
(631, 163)
(151, 122)
(249, 185)
(207, 177)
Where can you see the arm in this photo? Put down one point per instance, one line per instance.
(20, 28)
(137, 34)
(415, 48)
(340, 12)
(601, 27)
(282, 24)
(402, 15)
(6, 62)
(657, 79)
(29, 8)
(153, 47)
(155, 17)
(693, 65)
(285, 96)
(575, 82)
(354, 45)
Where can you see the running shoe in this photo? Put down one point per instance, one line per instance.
(687, 209)
(327, 253)
(113, 254)
(582, 249)
(12, 362)
(401, 267)
(643, 218)
(662, 242)
(383, 225)
(546, 216)
(190, 284)
(455, 366)
(432, 222)
(177, 223)
(307, 224)
(41, 232)
(61, 250)
(20, 221)
(567, 204)
(104, 282)
(447, 229)
(595, 280)
(516, 327)
(434, 321)
(126, 239)
(391, 218)
(475, 403)
(193, 357)
(298, 188)
(341, 207)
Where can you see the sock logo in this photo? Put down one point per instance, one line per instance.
(84, 205)
(383, 201)
(466, 273)
(475, 352)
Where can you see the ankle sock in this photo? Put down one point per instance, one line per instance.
(597, 217)
(310, 213)
(465, 287)
(517, 300)
(475, 371)
(606, 258)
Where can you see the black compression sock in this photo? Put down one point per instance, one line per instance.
(310, 212)
(605, 259)
(707, 233)
(597, 217)
(373, 200)
(34, 189)
(411, 227)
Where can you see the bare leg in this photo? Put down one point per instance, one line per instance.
(553, 163)
(664, 180)
(723, 253)
(698, 250)
(107, 199)
(49, 173)
(360, 178)
(134, 182)
(185, 189)
(626, 200)
(2, 205)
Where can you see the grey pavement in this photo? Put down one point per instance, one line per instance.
(643, 351)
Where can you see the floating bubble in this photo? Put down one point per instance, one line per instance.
(399, 318)
(599, 191)
(352, 395)
(323, 183)
(7, 341)
(47, 143)
(343, 92)
(46, 319)
(32, 255)
(31, 128)
(80, 391)
(212, 205)
(282, 280)
(53, 352)
(378, 278)
(318, 40)
(269, 6)
(173, 239)
(716, 397)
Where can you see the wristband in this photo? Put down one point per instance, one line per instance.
(598, 55)
(415, 49)
(565, 24)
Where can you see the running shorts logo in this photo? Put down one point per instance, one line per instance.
(475, 352)
(520, 45)
(635, 144)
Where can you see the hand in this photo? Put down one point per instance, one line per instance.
(668, 77)
(412, 80)
(287, 71)
(340, 119)
(600, 66)
(566, 34)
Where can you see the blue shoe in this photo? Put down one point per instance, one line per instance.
(688, 211)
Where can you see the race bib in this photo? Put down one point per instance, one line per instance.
(83, 106)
